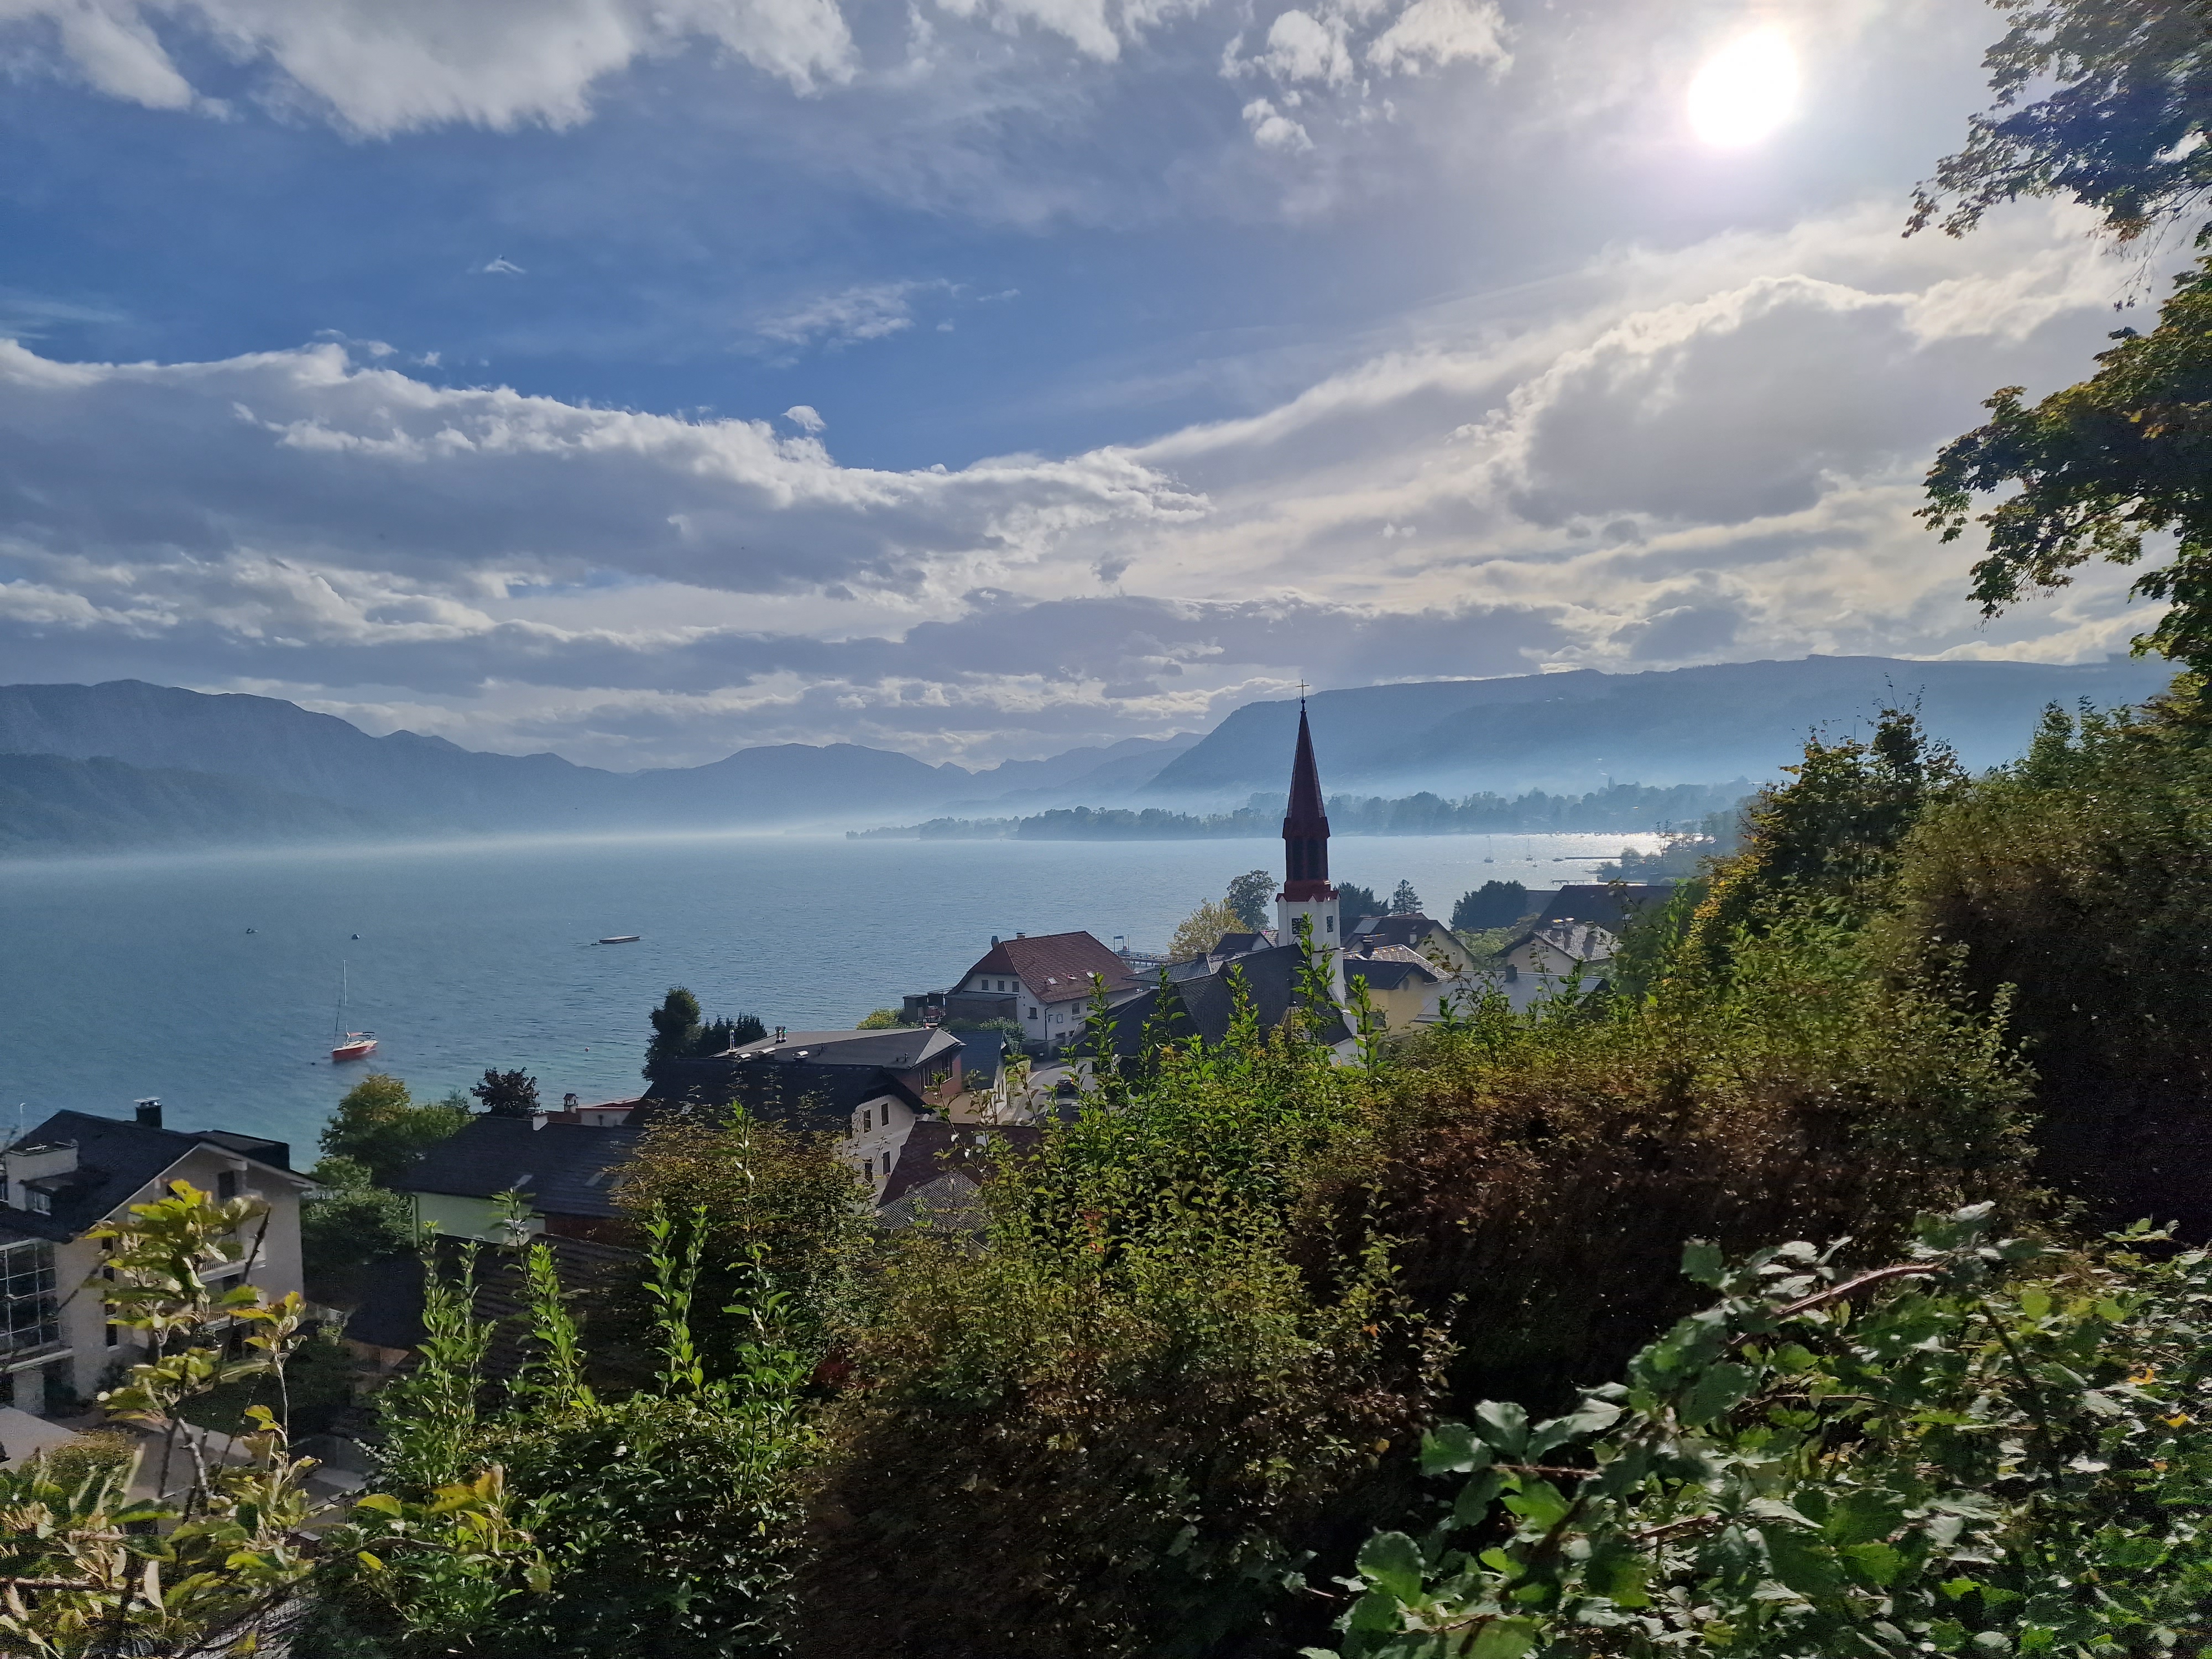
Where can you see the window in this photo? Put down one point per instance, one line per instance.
(30, 1317)
(867, 1122)
(39, 1203)
(870, 1165)
(1032, 1013)
(114, 1335)
(225, 1185)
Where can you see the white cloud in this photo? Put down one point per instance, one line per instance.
(805, 417)
(1272, 129)
(870, 311)
(501, 266)
(1442, 32)
(1300, 47)
(379, 67)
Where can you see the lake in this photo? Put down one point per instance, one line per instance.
(122, 977)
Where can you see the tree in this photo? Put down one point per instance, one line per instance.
(2123, 103)
(1249, 896)
(2092, 471)
(507, 1094)
(345, 1226)
(1405, 901)
(678, 1033)
(1354, 901)
(1198, 933)
(379, 1126)
(1493, 904)
(2120, 107)
(883, 1019)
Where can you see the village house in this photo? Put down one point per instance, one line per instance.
(75, 1172)
(1403, 986)
(1042, 984)
(1429, 939)
(565, 1171)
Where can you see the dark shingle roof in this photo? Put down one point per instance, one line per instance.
(1054, 966)
(792, 1094)
(115, 1157)
(936, 1148)
(568, 1169)
(1203, 1005)
(1409, 931)
(1388, 973)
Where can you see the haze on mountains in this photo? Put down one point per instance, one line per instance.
(127, 764)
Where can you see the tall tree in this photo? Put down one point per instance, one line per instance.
(1354, 901)
(675, 1028)
(2108, 102)
(379, 1127)
(507, 1094)
(1405, 901)
(1198, 933)
(1493, 904)
(1249, 894)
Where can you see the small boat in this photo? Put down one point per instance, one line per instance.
(344, 1044)
(621, 939)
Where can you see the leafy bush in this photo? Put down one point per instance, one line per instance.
(2077, 883)
(379, 1127)
(348, 1225)
(1981, 1449)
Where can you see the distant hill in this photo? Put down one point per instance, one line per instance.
(51, 804)
(1571, 732)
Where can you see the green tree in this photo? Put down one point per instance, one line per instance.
(379, 1126)
(1251, 896)
(882, 1019)
(346, 1224)
(507, 1094)
(1354, 901)
(1493, 904)
(1405, 901)
(1201, 930)
(675, 1028)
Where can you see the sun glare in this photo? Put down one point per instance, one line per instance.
(1745, 91)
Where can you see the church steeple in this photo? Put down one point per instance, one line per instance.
(1305, 826)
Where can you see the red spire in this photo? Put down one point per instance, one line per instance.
(1305, 826)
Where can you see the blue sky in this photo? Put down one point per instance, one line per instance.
(576, 374)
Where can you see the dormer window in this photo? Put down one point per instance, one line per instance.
(38, 1203)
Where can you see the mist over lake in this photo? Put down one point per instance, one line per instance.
(130, 976)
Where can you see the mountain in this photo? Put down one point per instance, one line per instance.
(1078, 777)
(51, 804)
(1573, 731)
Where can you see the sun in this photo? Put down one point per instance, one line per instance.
(1745, 91)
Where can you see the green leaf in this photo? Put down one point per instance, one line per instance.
(1592, 1417)
(1702, 1260)
(1504, 1424)
(1714, 1393)
(1452, 1448)
(1863, 1515)
(1476, 1496)
(1802, 1562)
(1948, 1635)
(1503, 1638)
(1377, 1610)
(1392, 1562)
(1876, 1564)
(1539, 1504)
(1616, 1570)
(383, 1503)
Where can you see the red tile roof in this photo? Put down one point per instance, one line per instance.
(1054, 966)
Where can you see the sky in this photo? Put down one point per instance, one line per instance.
(643, 380)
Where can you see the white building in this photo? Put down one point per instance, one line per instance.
(72, 1174)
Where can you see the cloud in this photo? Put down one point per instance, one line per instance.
(872, 311)
(1666, 456)
(379, 67)
(501, 266)
(1442, 32)
(1271, 130)
(1300, 47)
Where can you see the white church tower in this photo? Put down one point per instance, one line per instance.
(1306, 891)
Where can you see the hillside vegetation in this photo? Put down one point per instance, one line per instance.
(1759, 1303)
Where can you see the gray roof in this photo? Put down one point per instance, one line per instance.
(1203, 1005)
(1611, 905)
(116, 1158)
(903, 1048)
(567, 1169)
(791, 1093)
(1388, 973)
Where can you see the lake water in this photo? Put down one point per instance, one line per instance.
(131, 976)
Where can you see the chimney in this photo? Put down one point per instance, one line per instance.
(149, 1113)
(994, 941)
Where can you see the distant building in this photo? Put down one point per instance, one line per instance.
(1542, 959)
(566, 1172)
(868, 1088)
(1431, 940)
(1404, 985)
(74, 1172)
(1610, 905)
(941, 1172)
(1049, 979)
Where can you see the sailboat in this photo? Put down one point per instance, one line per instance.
(344, 1044)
